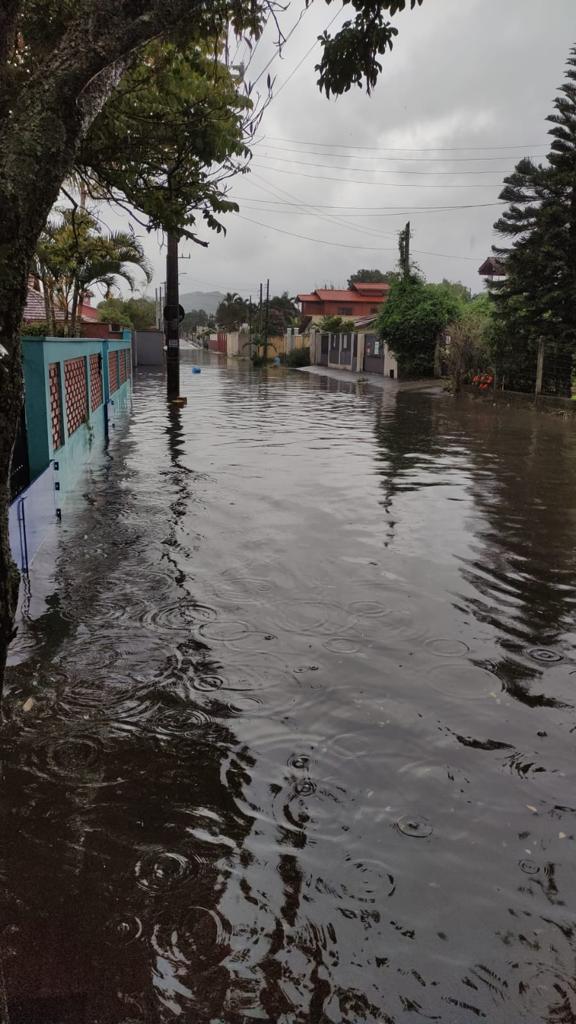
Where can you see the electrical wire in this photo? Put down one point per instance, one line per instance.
(306, 55)
(346, 245)
(329, 218)
(373, 209)
(383, 170)
(278, 50)
(308, 211)
(406, 149)
(356, 181)
(396, 159)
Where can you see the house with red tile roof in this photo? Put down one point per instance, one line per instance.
(35, 309)
(362, 299)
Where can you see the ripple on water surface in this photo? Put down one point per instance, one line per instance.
(316, 641)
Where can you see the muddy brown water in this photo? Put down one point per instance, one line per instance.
(302, 747)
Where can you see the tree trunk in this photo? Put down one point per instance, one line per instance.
(539, 367)
(39, 135)
(28, 189)
(48, 305)
(74, 310)
(37, 146)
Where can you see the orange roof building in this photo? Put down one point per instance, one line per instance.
(361, 299)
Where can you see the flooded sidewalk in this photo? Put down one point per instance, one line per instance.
(302, 742)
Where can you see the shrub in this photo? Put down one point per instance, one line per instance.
(41, 330)
(298, 357)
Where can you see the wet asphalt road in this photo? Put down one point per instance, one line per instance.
(302, 747)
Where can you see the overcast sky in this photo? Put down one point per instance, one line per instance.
(463, 95)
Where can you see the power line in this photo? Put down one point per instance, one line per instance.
(306, 55)
(212, 284)
(256, 45)
(357, 181)
(396, 159)
(329, 218)
(383, 170)
(346, 245)
(308, 211)
(406, 149)
(374, 209)
(279, 48)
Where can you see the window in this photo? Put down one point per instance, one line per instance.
(346, 310)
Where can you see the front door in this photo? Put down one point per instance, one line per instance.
(324, 343)
(373, 354)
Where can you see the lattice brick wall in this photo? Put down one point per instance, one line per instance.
(95, 382)
(55, 405)
(76, 393)
(113, 371)
(128, 362)
(122, 358)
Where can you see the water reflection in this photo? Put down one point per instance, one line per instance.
(301, 745)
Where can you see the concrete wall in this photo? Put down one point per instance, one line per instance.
(148, 348)
(237, 344)
(56, 469)
(30, 517)
(38, 354)
(355, 363)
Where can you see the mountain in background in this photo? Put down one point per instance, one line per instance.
(208, 301)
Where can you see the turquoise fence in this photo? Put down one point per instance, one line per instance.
(75, 390)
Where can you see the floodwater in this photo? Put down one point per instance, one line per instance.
(302, 746)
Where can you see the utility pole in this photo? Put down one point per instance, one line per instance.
(172, 318)
(250, 323)
(260, 317)
(266, 319)
(404, 246)
(539, 367)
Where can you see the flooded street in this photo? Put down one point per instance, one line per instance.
(302, 746)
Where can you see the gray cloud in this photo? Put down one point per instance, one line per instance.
(463, 73)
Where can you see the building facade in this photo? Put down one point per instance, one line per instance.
(359, 351)
(363, 299)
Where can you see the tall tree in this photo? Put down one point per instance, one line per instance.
(60, 64)
(169, 138)
(371, 277)
(282, 313)
(73, 254)
(138, 313)
(232, 311)
(537, 300)
(412, 321)
(194, 318)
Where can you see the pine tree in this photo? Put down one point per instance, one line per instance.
(538, 298)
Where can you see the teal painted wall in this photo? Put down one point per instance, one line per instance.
(37, 420)
(89, 437)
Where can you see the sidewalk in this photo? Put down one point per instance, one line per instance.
(374, 379)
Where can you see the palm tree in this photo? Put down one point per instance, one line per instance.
(72, 254)
(232, 311)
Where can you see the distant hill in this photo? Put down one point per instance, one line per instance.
(208, 301)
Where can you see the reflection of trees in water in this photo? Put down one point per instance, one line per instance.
(516, 476)
(523, 573)
(408, 442)
(113, 847)
(520, 471)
